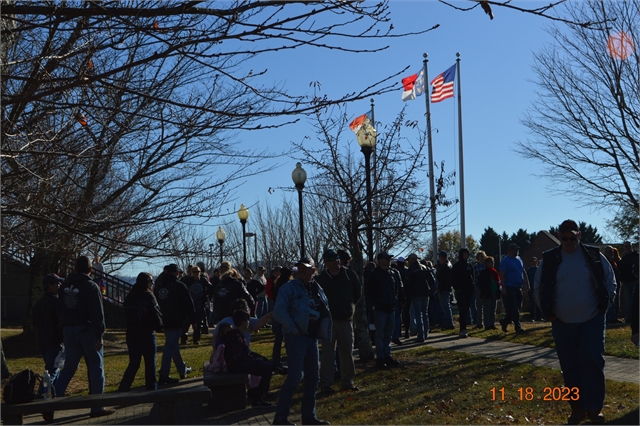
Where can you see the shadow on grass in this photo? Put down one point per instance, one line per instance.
(20, 346)
(631, 418)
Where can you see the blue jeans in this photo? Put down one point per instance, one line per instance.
(489, 308)
(580, 349)
(49, 355)
(140, 344)
(512, 304)
(419, 310)
(435, 312)
(472, 310)
(79, 342)
(384, 321)
(262, 308)
(398, 323)
(302, 355)
(172, 351)
(445, 306)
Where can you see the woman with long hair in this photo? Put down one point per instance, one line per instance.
(143, 320)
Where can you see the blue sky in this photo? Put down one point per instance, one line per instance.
(501, 189)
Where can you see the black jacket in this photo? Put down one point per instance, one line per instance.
(142, 312)
(462, 275)
(420, 279)
(80, 303)
(45, 317)
(175, 301)
(443, 275)
(227, 292)
(383, 288)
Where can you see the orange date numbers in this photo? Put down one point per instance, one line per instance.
(548, 394)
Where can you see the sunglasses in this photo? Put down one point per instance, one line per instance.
(569, 239)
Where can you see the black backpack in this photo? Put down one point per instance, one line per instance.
(22, 387)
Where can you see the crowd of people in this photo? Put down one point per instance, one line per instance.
(574, 286)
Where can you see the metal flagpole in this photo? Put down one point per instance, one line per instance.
(463, 243)
(434, 229)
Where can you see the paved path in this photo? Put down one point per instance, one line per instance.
(617, 369)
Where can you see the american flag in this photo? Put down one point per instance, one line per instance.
(443, 85)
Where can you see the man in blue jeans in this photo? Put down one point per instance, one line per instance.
(177, 308)
(512, 275)
(82, 318)
(383, 287)
(421, 282)
(574, 286)
(302, 309)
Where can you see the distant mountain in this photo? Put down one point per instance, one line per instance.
(130, 280)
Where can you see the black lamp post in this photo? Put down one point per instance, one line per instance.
(299, 177)
(210, 258)
(221, 235)
(255, 253)
(367, 141)
(243, 215)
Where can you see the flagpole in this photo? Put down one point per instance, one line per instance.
(463, 243)
(376, 205)
(432, 195)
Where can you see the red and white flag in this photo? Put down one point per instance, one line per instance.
(359, 121)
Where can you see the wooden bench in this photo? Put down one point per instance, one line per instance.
(165, 398)
(228, 390)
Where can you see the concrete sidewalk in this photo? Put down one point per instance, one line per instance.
(190, 413)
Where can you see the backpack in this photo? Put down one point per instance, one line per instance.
(22, 387)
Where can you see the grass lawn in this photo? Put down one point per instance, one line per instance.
(432, 386)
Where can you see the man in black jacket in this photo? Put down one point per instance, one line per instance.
(177, 307)
(418, 279)
(81, 315)
(383, 287)
(343, 290)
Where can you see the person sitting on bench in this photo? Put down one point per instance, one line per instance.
(241, 360)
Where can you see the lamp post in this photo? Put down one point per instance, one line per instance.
(210, 258)
(255, 240)
(243, 215)
(299, 177)
(221, 235)
(367, 141)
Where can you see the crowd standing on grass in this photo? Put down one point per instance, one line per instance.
(575, 287)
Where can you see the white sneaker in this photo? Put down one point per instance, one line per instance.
(187, 370)
(463, 333)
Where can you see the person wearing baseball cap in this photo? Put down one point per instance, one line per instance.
(574, 286)
(45, 318)
(303, 310)
(343, 289)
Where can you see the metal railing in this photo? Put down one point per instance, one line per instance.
(113, 289)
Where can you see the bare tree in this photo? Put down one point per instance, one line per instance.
(118, 118)
(585, 124)
(401, 191)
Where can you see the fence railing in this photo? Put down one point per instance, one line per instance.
(113, 288)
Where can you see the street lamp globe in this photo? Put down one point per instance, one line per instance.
(243, 213)
(367, 137)
(220, 234)
(299, 176)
